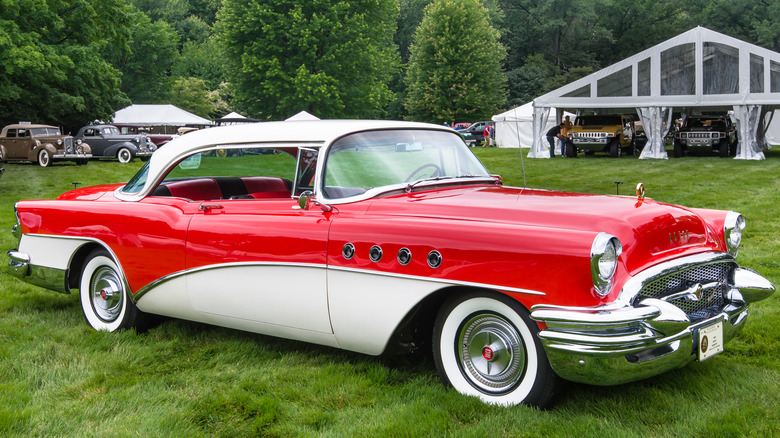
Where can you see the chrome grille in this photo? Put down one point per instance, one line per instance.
(710, 302)
(590, 134)
(702, 135)
(69, 145)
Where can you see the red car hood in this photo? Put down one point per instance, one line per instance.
(647, 229)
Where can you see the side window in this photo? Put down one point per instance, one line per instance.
(12, 133)
(232, 173)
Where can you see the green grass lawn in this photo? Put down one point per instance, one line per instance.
(60, 378)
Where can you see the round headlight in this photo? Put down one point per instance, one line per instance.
(78, 141)
(732, 231)
(604, 255)
(59, 142)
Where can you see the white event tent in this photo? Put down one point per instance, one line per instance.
(515, 128)
(158, 115)
(695, 72)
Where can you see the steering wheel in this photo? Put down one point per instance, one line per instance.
(436, 172)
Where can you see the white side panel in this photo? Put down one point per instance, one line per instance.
(366, 308)
(170, 298)
(49, 251)
(288, 296)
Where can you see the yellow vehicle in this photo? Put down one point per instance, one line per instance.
(611, 133)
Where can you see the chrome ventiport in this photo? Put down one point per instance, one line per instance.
(404, 256)
(434, 259)
(375, 253)
(348, 251)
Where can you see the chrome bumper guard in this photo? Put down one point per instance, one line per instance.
(619, 342)
(20, 266)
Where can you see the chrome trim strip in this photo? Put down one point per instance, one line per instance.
(438, 280)
(137, 296)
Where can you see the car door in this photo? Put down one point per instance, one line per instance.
(16, 144)
(257, 262)
(262, 261)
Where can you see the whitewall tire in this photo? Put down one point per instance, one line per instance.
(124, 155)
(487, 346)
(44, 158)
(105, 299)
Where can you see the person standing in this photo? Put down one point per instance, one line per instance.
(566, 143)
(554, 132)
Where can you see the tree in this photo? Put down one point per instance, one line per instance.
(329, 57)
(51, 68)
(454, 69)
(146, 60)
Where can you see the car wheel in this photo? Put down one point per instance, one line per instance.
(44, 158)
(614, 148)
(124, 155)
(105, 299)
(488, 347)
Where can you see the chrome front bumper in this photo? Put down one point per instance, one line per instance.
(622, 342)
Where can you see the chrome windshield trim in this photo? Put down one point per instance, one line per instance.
(402, 188)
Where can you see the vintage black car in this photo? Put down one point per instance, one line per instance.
(107, 142)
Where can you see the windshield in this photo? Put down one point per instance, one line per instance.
(367, 160)
(598, 120)
(45, 131)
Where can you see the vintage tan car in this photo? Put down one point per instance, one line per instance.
(42, 144)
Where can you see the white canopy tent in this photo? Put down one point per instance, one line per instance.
(515, 128)
(158, 115)
(694, 72)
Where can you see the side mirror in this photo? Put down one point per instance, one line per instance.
(304, 201)
(307, 199)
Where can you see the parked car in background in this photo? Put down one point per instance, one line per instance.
(709, 132)
(385, 237)
(42, 144)
(157, 139)
(610, 133)
(107, 142)
(474, 135)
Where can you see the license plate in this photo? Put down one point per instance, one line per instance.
(710, 340)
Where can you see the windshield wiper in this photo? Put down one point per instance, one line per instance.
(411, 185)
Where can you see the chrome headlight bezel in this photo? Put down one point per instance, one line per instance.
(604, 254)
(732, 231)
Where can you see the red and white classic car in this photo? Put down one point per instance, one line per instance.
(378, 237)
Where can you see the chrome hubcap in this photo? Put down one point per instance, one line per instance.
(491, 353)
(106, 292)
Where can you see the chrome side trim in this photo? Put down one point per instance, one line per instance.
(136, 296)
(438, 280)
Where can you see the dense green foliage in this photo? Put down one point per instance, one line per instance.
(58, 377)
(69, 62)
(455, 65)
(51, 68)
(332, 58)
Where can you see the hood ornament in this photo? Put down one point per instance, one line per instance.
(640, 191)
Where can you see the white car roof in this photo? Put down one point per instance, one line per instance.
(313, 133)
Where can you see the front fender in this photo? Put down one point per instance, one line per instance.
(112, 150)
